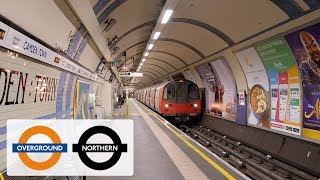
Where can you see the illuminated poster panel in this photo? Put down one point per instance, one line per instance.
(284, 81)
(258, 84)
(81, 107)
(220, 88)
(305, 47)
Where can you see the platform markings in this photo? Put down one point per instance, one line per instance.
(185, 139)
(185, 165)
(124, 114)
(197, 150)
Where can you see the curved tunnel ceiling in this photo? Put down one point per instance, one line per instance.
(194, 32)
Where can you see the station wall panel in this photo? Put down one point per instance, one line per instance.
(285, 70)
(89, 59)
(241, 80)
(33, 90)
(43, 19)
(220, 88)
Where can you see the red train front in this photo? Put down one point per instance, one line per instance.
(179, 99)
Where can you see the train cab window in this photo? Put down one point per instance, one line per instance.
(193, 91)
(169, 92)
(182, 90)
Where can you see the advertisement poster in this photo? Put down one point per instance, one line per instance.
(305, 47)
(220, 88)
(101, 69)
(80, 106)
(258, 84)
(284, 80)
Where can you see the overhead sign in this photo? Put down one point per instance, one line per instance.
(114, 64)
(130, 74)
(135, 80)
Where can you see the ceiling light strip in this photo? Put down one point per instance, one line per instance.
(156, 35)
(166, 14)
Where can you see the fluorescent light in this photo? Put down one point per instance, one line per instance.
(166, 16)
(146, 54)
(156, 35)
(144, 59)
(138, 70)
(150, 46)
(141, 64)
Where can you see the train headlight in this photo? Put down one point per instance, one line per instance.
(195, 105)
(166, 105)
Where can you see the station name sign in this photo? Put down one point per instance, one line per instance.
(16, 41)
(130, 74)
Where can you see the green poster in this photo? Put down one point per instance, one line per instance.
(284, 82)
(276, 55)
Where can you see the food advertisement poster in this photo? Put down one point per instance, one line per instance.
(220, 88)
(305, 47)
(285, 88)
(258, 84)
(80, 106)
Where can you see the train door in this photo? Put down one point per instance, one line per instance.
(152, 97)
(157, 99)
(181, 98)
(145, 97)
(148, 97)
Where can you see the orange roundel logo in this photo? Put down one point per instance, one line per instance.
(22, 148)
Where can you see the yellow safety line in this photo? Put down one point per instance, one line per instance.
(124, 114)
(203, 155)
(1, 176)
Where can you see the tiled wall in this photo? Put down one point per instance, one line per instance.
(55, 29)
(48, 97)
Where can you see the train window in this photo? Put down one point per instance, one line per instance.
(169, 92)
(193, 91)
(182, 90)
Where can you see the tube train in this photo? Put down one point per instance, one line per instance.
(177, 100)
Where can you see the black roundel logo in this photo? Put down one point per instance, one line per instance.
(116, 148)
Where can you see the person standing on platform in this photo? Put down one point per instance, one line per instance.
(120, 100)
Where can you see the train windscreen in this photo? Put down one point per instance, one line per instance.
(169, 92)
(182, 90)
(193, 91)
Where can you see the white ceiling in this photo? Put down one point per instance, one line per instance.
(197, 29)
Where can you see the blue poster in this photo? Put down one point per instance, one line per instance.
(305, 47)
(274, 81)
(80, 106)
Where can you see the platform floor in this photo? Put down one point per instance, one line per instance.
(163, 152)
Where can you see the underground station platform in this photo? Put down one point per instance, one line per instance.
(166, 149)
(162, 151)
(159, 89)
